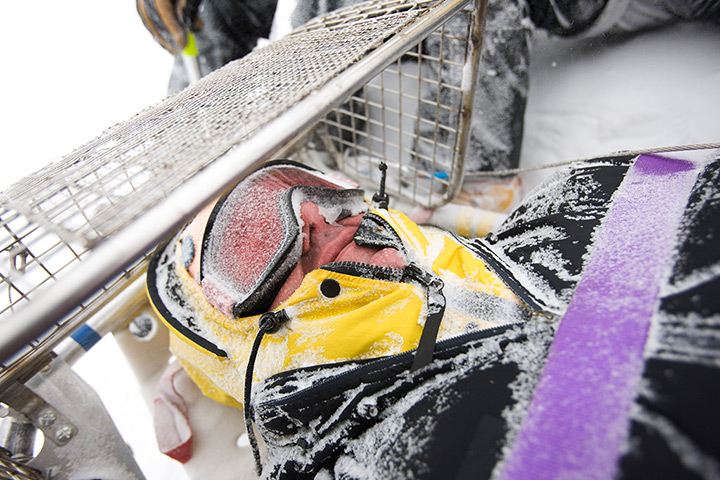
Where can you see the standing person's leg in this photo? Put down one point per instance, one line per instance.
(231, 29)
(306, 10)
(496, 129)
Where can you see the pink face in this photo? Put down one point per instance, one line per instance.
(325, 243)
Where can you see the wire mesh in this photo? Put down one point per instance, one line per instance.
(33, 259)
(100, 187)
(408, 116)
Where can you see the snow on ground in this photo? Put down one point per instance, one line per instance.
(589, 98)
(75, 68)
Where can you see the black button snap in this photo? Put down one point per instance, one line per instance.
(330, 288)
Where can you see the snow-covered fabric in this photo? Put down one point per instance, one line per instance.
(459, 416)
(546, 237)
(374, 416)
(589, 404)
(378, 419)
(370, 298)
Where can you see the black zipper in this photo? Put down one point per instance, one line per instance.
(366, 270)
(502, 270)
(383, 362)
(395, 274)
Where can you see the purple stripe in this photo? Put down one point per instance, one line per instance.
(578, 418)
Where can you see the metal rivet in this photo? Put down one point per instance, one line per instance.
(367, 409)
(64, 434)
(47, 418)
(142, 326)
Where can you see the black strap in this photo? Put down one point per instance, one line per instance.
(436, 309)
(268, 323)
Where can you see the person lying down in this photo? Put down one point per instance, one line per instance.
(353, 282)
(363, 345)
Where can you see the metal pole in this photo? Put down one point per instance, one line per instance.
(468, 87)
(190, 59)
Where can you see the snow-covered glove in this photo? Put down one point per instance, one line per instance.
(170, 20)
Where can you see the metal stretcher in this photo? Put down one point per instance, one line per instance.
(356, 87)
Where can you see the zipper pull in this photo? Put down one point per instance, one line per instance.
(435, 311)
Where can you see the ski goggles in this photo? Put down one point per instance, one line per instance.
(253, 239)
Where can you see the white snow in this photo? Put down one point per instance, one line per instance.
(587, 98)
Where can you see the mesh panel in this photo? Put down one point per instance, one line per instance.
(410, 116)
(52, 220)
(99, 188)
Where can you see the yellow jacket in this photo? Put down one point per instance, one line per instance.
(340, 312)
